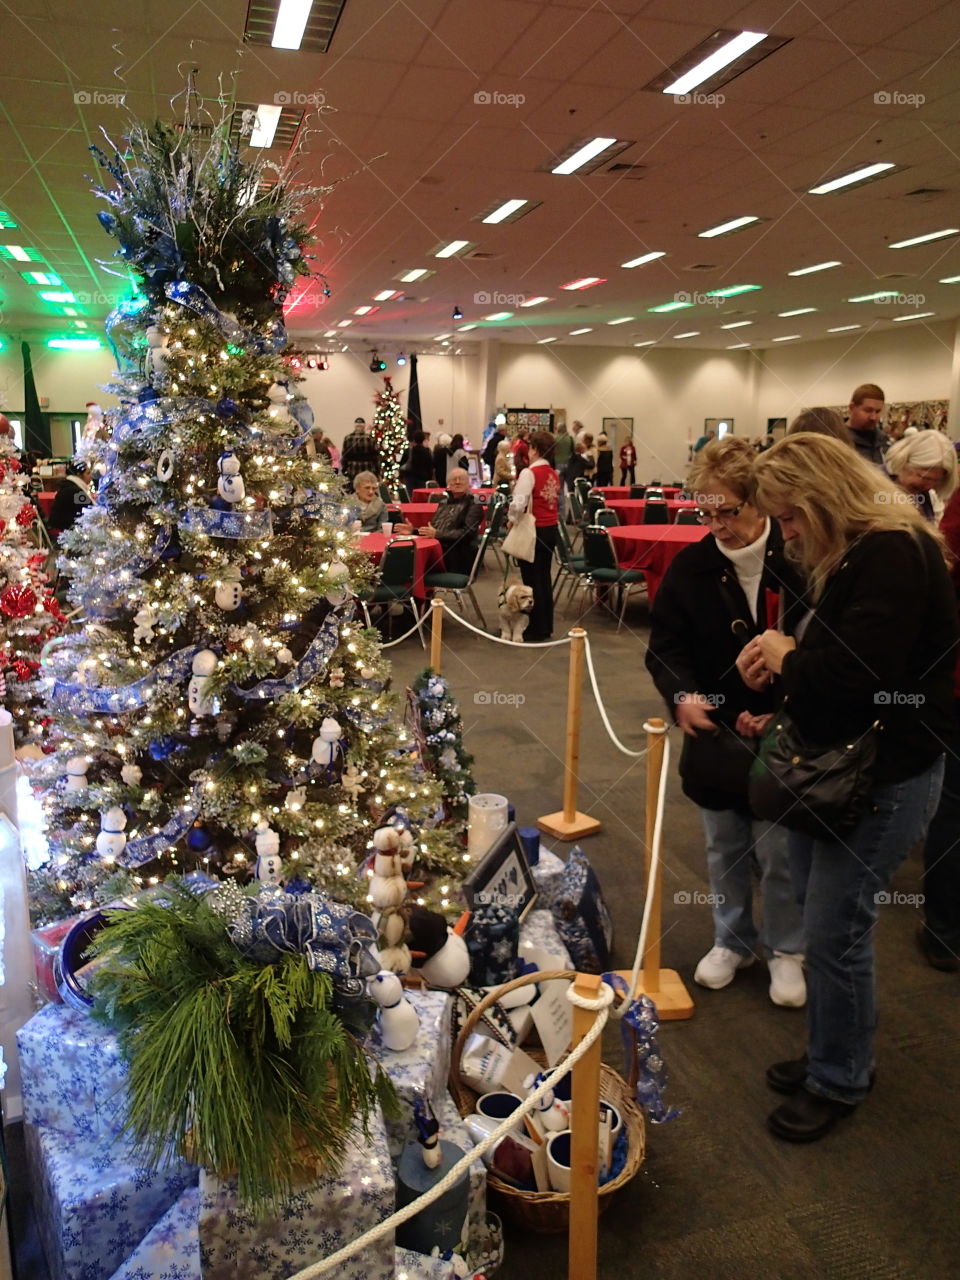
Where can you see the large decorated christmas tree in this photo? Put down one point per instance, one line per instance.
(29, 612)
(219, 699)
(389, 431)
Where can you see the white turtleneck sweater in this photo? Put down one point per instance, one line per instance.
(748, 565)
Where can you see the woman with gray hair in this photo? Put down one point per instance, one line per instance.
(366, 488)
(925, 467)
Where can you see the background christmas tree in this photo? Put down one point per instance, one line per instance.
(29, 613)
(390, 432)
(219, 700)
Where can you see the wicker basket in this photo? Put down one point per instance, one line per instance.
(549, 1211)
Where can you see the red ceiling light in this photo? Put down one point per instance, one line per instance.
(584, 282)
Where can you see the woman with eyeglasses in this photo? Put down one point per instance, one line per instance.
(877, 646)
(924, 467)
(717, 595)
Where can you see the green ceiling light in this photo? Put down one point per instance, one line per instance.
(18, 253)
(669, 306)
(732, 290)
(74, 344)
(41, 277)
(49, 295)
(6, 221)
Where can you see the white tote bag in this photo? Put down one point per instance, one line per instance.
(521, 541)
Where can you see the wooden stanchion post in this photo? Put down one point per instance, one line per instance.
(584, 1140)
(664, 986)
(436, 633)
(569, 823)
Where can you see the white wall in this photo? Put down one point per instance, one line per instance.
(912, 362)
(667, 393)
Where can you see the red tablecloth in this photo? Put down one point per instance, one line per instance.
(423, 495)
(420, 513)
(652, 547)
(45, 503)
(428, 557)
(623, 490)
(630, 510)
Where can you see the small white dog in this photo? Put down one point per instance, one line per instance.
(516, 603)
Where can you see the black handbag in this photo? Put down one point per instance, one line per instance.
(820, 791)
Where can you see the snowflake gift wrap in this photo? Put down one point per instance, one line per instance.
(420, 1071)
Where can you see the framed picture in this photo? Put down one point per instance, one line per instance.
(502, 878)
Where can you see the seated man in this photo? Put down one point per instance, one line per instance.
(457, 523)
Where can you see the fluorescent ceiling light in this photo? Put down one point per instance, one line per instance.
(465, 328)
(541, 342)
(52, 296)
(291, 23)
(498, 315)
(441, 337)
(787, 337)
(669, 306)
(386, 295)
(622, 320)
(733, 225)
(366, 311)
(863, 174)
(6, 221)
(505, 210)
(17, 252)
(589, 151)
(342, 324)
(732, 290)
(449, 250)
(81, 324)
(535, 302)
(800, 311)
(844, 328)
(575, 333)
(69, 311)
(41, 277)
(919, 315)
(738, 346)
(265, 125)
(736, 324)
(694, 333)
(650, 342)
(74, 344)
(330, 333)
(646, 257)
(931, 235)
(949, 280)
(817, 266)
(874, 297)
(584, 282)
(417, 273)
(716, 61)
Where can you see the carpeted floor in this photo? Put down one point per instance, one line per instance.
(718, 1197)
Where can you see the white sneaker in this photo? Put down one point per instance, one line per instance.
(718, 966)
(787, 984)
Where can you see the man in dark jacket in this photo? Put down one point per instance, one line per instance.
(359, 452)
(456, 524)
(866, 410)
(73, 494)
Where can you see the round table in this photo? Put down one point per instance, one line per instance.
(423, 495)
(630, 510)
(652, 547)
(428, 557)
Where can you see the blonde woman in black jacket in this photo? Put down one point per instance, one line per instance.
(878, 645)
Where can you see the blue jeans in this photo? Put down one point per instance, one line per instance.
(731, 837)
(841, 885)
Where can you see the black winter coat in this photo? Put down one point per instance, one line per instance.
(700, 622)
(880, 646)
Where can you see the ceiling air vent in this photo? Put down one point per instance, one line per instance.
(481, 255)
(925, 193)
(701, 266)
(624, 170)
(894, 275)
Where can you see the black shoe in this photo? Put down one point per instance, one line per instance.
(935, 953)
(807, 1117)
(788, 1077)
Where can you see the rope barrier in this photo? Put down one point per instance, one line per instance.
(514, 644)
(601, 1006)
(636, 755)
(388, 644)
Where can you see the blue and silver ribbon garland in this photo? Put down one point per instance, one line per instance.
(198, 300)
(80, 699)
(228, 524)
(638, 1028)
(312, 664)
(146, 848)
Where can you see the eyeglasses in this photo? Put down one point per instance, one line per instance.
(706, 514)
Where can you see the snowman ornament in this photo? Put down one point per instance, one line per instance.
(155, 358)
(399, 1023)
(230, 485)
(200, 701)
(280, 418)
(111, 841)
(77, 767)
(145, 619)
(339, 572)
(228, 592)
(267, 843)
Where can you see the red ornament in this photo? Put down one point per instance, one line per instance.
(26, 515)
(3, 525)
(13, 464)
(22, 670)
(18, 601)
(5, 427)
